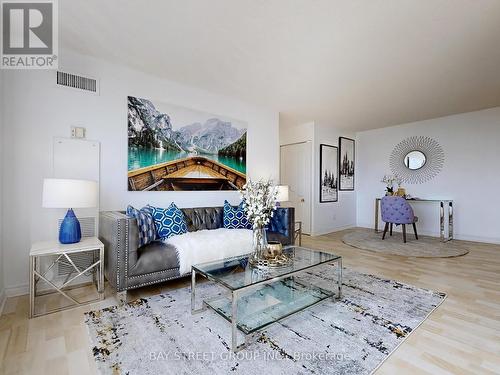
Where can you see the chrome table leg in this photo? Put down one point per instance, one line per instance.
(450, 221)
(100, 285)
(441, 221)
(234, 322)
(339, 278)
(32, 287)
(193, 291)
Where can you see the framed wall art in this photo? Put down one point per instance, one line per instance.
(177, 148)
(328, 167)
(346, 164)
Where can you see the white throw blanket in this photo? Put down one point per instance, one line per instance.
(209, 245)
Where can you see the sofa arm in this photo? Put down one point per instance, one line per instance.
(119, 235)
(283, 224)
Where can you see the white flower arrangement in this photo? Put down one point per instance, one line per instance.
(389, 181)
(259, 200)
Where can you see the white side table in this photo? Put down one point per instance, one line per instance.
(62, 254)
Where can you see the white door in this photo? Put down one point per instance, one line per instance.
(295, 171)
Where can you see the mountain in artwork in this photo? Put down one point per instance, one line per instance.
(149, 128)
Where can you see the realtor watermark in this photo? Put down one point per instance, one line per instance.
(246, 356)
(29, 34)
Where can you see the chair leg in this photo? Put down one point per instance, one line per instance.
(385, 230)
(404, 233)
(415, 230)
(391, 229)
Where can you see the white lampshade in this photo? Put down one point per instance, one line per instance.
(282, 193)
(66, 193)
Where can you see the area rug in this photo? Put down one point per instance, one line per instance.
(158, 335)
(424, 247)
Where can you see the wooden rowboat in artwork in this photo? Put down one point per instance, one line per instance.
(191, 173)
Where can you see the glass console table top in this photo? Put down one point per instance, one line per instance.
(424, 200)
(236, 273)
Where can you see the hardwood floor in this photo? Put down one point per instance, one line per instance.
(461, 337)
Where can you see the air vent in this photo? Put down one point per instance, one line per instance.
(77, 82)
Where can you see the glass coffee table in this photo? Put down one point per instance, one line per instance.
(259, 298)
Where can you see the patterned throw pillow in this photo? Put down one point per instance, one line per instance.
(235, 217)
(145, 223)
(169, 221)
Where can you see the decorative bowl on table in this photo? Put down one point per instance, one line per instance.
(273, 250)
(272, 257)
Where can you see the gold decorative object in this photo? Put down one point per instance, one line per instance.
(274, 249)
(271, 257)
(401, 192)
(282, 260)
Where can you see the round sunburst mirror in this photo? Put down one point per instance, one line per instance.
(417, 159)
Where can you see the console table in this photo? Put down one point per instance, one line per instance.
(442, 203)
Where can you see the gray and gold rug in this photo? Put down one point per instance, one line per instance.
(424, 247)
(158, 335)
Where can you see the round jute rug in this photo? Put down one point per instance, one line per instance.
(424, 247)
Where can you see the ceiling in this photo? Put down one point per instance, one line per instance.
(351, 64)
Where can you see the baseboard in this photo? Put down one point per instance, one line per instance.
(491, 240)
(333, 230)
(16, 291)
(23, 289)
(3, 298)
(457, 236)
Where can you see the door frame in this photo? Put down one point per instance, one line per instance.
(311, 173)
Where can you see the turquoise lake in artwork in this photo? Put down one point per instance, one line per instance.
(145, 157)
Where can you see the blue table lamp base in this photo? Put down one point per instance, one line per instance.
(70, 231)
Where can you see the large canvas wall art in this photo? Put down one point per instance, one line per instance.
(346, 167)
(176, 148)
(328, 166)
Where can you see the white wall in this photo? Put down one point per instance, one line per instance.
(297, 134)
(471, 174)
(36, 110)
(333, 216)
(326, 217)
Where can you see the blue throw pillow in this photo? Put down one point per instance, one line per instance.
(235, 217)
(169, 221)
(145, 223)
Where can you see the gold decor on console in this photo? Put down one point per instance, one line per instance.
(401, 192)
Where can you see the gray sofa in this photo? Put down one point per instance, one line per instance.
(127, 266)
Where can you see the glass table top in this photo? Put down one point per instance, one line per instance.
(236, 273)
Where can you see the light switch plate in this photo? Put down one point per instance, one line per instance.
(77, 132)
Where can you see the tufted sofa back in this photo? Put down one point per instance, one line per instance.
(204, 218)
(281, 227)
(396, 210)
(213, 218)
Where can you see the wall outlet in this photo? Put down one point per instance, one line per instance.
(77, 132)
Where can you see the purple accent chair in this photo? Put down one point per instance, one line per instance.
(396, 210)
